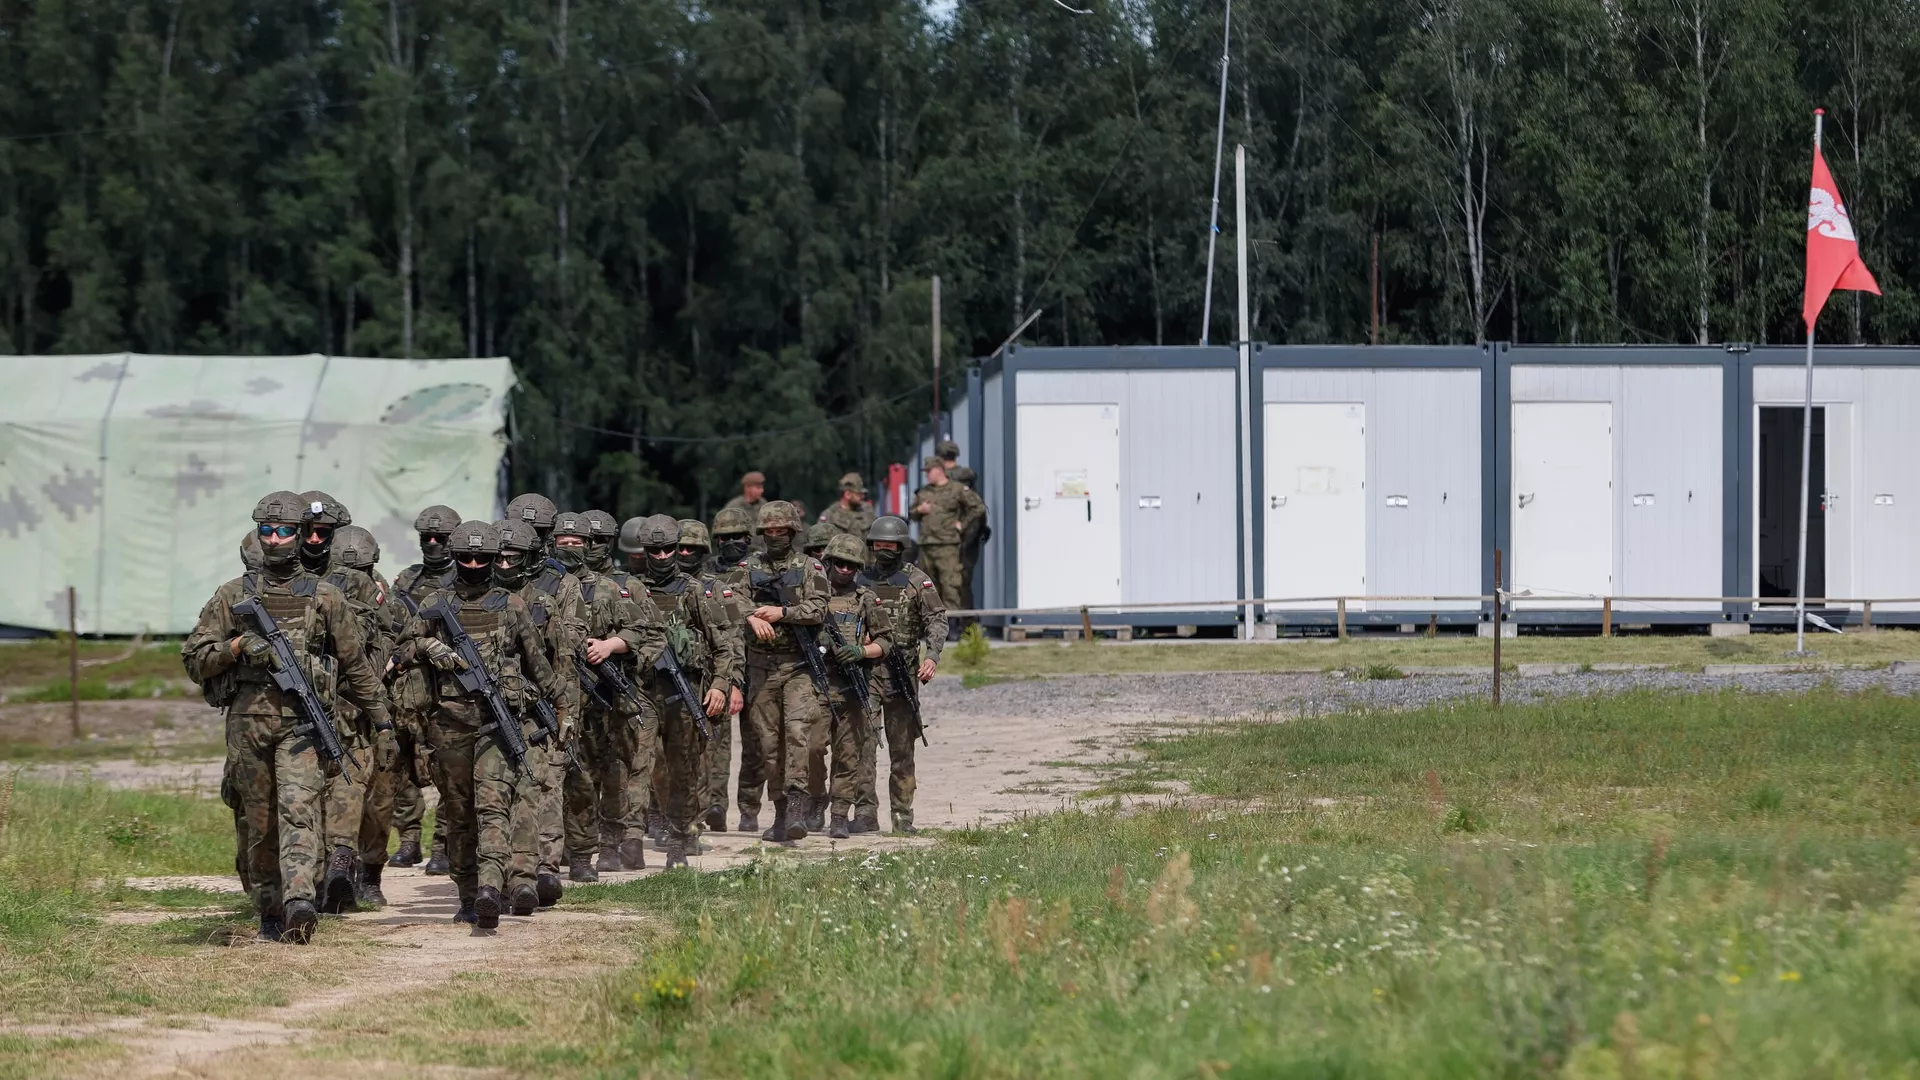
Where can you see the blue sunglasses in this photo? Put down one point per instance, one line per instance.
(284, 532)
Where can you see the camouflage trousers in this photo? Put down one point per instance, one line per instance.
(715, 761)
(486, 806)
(598, 814)
(942, 564)
(548, 807)
(853, 736)
(409, 801)
(751, 789)
(358, 806)
(277, 780)
(785, 711)
(679, 769)
(898, 720)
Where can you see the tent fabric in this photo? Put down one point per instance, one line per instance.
(131, 478)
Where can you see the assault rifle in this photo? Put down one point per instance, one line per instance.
(855, 673)
(766, 590)
(477, 680)
(670, 665)
(607, 675)
(549, 733)
(907, 681)
(292, 681)
(590, 682)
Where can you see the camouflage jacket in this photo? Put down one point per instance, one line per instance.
(857, 619)
(503, 631)
(552, 599)
(950, 509)
(704, 638)
(914, 610)
(325, 633)
(796, 583)
(852, 522)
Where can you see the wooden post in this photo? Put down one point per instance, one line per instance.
(1433, 625)
(73, 661)
(1341, 616)
(1498, 556)
(1086, 624)
(1866, 615)
(1606, 617)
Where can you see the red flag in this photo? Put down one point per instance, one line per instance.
(1833, 252)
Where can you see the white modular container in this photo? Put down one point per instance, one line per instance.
(1368, 479)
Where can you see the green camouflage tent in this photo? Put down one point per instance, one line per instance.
(131, 478)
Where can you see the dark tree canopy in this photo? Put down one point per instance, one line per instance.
(704, 232)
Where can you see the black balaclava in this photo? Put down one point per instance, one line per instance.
(280, 560)
(315, 557)
(780, 544)
(840, 575)
(887, 562)
(661, 571)
(434, 555)
(514, 574)
(692, 563)
(573, 558)
(474, 577)
(733, 547)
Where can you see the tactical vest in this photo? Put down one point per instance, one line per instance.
(895, 593)
(485, 620)
(843, 614)
(295, 609)
(782, 589)
(688, 643)
(416, 582)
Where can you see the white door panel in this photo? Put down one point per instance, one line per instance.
(1563, 502)
(1315, 502)
(1069, 504)
(1840, 501)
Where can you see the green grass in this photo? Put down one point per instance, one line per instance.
(99, 689)
(18, 752)
(43, 662)
(1686, 652)
(1654, 885)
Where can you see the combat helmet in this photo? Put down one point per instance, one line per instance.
(887, 527)
(535, 509)
(732, 521)
(846, 548)
(356, 547)
(472, 538)
(324, 509)
(630, 542)
(852, 482)
(817, 536)
(657, 531)
(604, 530)
(778, 514)
(436, 519)
(517, 536)
(571, 524)
(694, 534)
(280, 508)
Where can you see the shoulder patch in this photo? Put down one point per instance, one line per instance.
(624, 594)
(927, 584)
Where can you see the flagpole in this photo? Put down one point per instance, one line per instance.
(1806, 465)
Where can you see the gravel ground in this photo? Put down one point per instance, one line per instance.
(1165, 698)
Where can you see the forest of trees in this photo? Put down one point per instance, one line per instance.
(704, 231)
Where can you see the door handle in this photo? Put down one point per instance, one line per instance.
(1089, 511)
(1275, 502)
(1027, 503)
(1525, 498)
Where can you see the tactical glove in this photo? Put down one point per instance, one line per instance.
(849, 655)
(386, 749)
(255, 649)
(442, 656)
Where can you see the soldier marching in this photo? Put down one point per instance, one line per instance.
(569, 686)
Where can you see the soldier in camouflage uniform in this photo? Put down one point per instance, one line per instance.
(412, 695)
(817, 536)
(975, 534)
(345, 798)
(276, 772)
(559, 617)
(708, 653)
(481, 789)
(853, 513)
(945, 510)
(622, 628)
(948, 451)
(752, 497)
(356, 548)
(789, 594)
(732, 542)
(696, 553)
(919, 623)
(857, 633)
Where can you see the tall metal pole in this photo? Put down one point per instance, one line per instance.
(1806, 470)
(1245, 335)
(1219, 144)
(936, 361)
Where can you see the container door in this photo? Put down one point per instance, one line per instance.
(1563, 502)
(1837, 502)
(1069, 532)
(1315, 502)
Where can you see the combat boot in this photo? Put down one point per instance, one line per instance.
(778, 833)
(300, 918)
(749, 823)
(526, 900)
(368, 895)
(547, 888)
(656, 827)
(271, 928)
(903, 823)
(633, 854)
(799, 810)
(580, 868)
(716, 820)
(817, 813)
(408, 855)
(865, 821)
(676, 852)
(610, 860)
(486, 908)
(437, 861)
(838, 830)
(465, 914)
(336, 893)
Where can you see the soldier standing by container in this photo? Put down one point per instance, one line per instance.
(789, 594)
(275, 766)
(706, 652)
(918, 621)
(482, 787)
(856, 633)
(413, 696)
(945, 510)
(732, 543)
